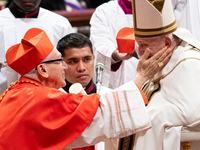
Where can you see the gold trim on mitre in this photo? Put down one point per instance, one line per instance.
(145, 33)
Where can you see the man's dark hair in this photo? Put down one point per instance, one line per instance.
(73, 40)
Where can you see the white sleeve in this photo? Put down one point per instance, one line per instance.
(102, 36)
(121, 113)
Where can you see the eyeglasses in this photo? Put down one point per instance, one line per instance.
(50, 61)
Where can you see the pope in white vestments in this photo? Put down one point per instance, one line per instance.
(12, 30)
(176, 102)
(174, 91)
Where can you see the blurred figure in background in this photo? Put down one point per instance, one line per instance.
(187, 14)
(107, 20)
(15, 20)
(48, 4)
(62, 4)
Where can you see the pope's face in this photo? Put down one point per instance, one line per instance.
(153, 44)
(27, 5)
(80, 65)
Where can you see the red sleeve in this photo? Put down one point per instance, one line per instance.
(115, 67)
(143, 96)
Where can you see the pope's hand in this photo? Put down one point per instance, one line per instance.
(148, 67)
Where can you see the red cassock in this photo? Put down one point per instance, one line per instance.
(37, 117)
(85, 148)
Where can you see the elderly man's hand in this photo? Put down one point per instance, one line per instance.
(148, 67)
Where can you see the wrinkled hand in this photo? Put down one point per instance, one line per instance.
(120, 56)
(148, 67)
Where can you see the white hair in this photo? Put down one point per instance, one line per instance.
(174, 38)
